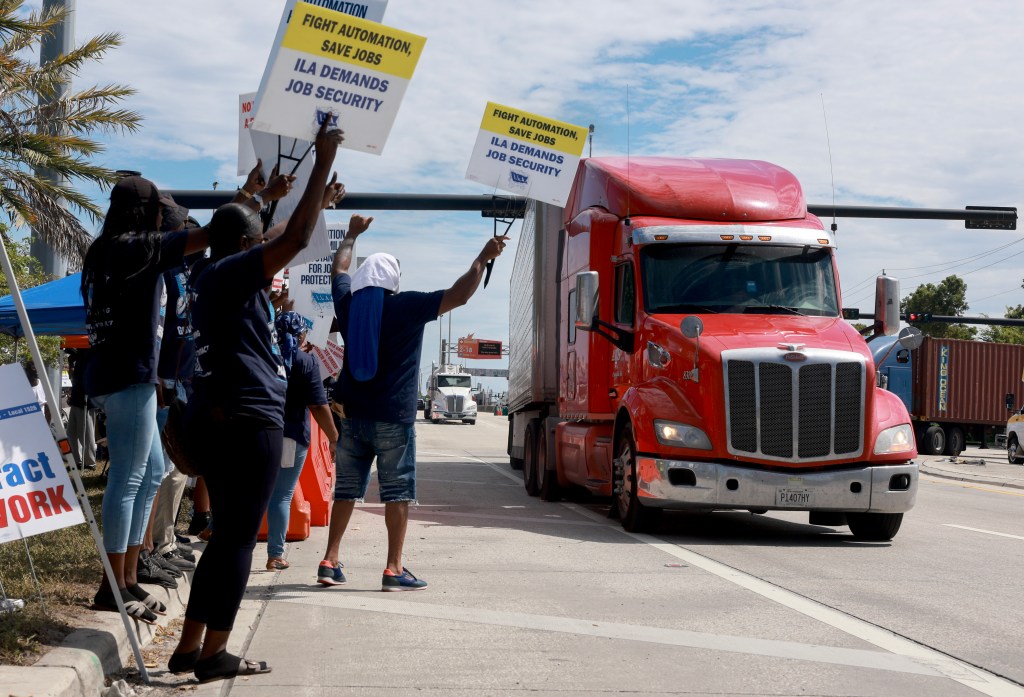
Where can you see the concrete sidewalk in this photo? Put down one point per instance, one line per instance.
(976, 465)
(79, 666)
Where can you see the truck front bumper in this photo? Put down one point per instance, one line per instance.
(715, 486)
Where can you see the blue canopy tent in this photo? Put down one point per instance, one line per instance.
(54, 308)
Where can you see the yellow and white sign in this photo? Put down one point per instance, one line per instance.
(330, 62)
(36, 494)
(526, 154)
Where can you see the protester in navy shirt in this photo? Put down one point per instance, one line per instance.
(305, 395)
(122, 286)
(383, 333)
(236, 412)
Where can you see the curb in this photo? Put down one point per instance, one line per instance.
(79, 666)
(974, 479)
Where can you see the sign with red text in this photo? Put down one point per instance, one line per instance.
(36, 494)
(526, 154)
(332, 63)
(246, 154)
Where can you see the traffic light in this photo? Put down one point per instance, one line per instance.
(919, 316)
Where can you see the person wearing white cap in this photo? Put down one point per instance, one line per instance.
(383, 333)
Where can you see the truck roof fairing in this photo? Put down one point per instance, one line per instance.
(688, 188)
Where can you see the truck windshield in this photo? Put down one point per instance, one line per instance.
(738, 279)
(453, 381)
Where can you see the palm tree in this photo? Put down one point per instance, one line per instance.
(45, 143)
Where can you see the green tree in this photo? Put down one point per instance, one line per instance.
(1006, 335)
(948, 298)
(28, 272)
(45, 130)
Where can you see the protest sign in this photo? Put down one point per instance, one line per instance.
(294, 157)
(36, 494)
(331, 63)
(329, 365)
(526, 154)
(372, 10)
(309, 284)
(246, 154)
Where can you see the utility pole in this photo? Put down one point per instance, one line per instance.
(61, 42)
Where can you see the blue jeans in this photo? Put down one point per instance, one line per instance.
(136, 465)
(394, 446)
(279, 510)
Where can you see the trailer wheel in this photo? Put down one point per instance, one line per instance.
(955, 441)
(547, 479)
(934, 441)
(530, 459)
(874, 527)
(634, 516)
(1014, 453)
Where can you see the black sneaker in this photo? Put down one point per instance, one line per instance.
(184, 547)
(159, 562)
(177, 560)
(185, 552)
(149, 572)
(199, 523)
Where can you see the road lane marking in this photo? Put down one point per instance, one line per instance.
(975, 678)
(964, 484)
(987, 532)
(858, 658)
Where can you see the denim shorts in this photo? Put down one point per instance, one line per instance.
(394, 446)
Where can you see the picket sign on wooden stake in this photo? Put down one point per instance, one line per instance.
(65, 449)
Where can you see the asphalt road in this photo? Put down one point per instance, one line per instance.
(528, 597)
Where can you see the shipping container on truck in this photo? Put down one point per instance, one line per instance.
(710, 368)
(953, 388)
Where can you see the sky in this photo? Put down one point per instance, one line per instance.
(867, 103)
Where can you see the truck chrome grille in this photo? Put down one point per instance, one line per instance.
(811, 410)
(454, 404)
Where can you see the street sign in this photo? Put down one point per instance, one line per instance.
(479, 348)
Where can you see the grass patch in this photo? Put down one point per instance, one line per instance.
(69, 570)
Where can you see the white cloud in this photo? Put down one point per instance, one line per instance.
(922, 102)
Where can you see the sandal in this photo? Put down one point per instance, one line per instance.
(148, 600)
(133, 607)
(225, 666)
(183, 662)
(277, 564)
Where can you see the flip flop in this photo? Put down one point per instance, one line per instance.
(225, 666)
(148, 600)
(134, 608)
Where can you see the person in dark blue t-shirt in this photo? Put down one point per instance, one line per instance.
(236, 412)
(122, 285)
(383, 333)
(305, 396)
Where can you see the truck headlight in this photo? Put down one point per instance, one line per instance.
(681, 435)
(898, 439)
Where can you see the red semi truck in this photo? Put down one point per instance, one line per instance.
(678, 343)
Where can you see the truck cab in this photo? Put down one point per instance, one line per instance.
(703, 360)
(449, 396)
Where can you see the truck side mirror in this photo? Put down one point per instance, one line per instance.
(1011, 401)
(910, 338)
(586, 299)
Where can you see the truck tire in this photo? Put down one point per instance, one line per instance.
(934, 441)
(530, 459)
(634, 516)
(1014, 453)
(874, 527)
(547, 478)
(955, 441)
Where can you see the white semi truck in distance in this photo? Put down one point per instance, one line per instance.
(448, 396)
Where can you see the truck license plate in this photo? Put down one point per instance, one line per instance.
(793, 497)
